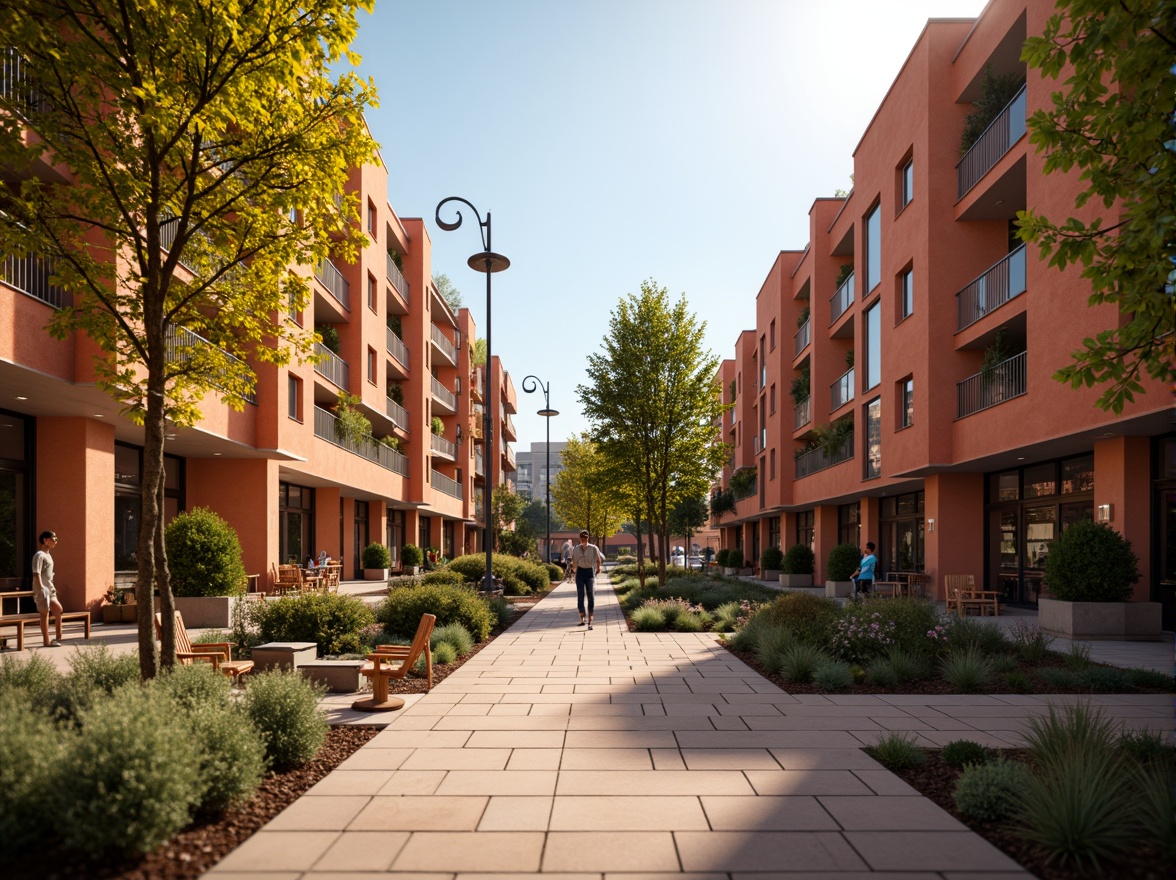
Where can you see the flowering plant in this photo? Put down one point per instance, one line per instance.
(861, 635)
(748, 610)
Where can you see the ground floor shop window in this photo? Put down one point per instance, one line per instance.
(360, 533)
(806, 528)
(295, 523)
(447, 535)
(128, 501)
(849, 524)
(902, 536)
(16, 538)
(773, 531)
(423, 540)
(395, 535)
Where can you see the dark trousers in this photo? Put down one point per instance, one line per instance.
(863, 585)
(585, 586)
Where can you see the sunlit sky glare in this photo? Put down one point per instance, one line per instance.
(615, 141)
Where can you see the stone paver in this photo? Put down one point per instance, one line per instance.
(610, 755)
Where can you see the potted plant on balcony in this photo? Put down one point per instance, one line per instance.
(376, 560)
(843, 561)
(797, 568)
(742, 483)
(801, 385)
(204, 560)
(120, 606)
(411, 558)
(329, 335)
(802, 316)
(1089, 573)
(350, 424)
(770, 561)
(437, 426)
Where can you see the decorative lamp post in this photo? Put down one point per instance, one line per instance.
(486, 262)
(547, 412)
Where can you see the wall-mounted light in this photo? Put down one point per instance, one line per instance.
(1105, 513)
(931, 525)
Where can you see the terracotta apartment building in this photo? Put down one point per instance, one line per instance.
(278, 472)
(915, 314)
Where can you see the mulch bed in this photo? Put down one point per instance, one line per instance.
(196, 849)
(935, 779)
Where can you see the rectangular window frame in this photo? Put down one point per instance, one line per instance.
(294, 398)
(906, 294)
(906, 176)
(872, 337)
(906, 402)
(872, 234)
(872, 439)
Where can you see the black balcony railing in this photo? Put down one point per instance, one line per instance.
(841, 300)
(445, 484)
(332, 279)
(181, 345)
(841, 391)
(994, 288)
(397, 278)
(998, 139)
(824, 457)
(802, 414)
(802, 338)
(326, 428)
(31, 275)
(396, 347)
(330, 366)
(988, 388)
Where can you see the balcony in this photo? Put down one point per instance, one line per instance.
(823, 457)
(840, 302)
(981, 391)
(15, 85)
(182, 344)
(508, 428)
(802, 413)
(396, 278)
(396, 348)
(330, 366)
(398, 414)
(802, 338)
(443, 396)
(998, 139)
(334, 282)
(479, 463)
(326, 428)
(445, 448)
(509, 455)
(476, 385)
(443, 345)
(994, 288)
(445, 484)
(841, 391)
(30, 275)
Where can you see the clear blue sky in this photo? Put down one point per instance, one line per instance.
(619, 140)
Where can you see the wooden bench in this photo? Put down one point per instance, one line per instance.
(18, 620)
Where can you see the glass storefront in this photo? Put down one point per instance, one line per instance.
(295, 523)
(16, 537)
(128, 501)
(902, 538)
(395, 535)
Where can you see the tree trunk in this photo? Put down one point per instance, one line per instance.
(149, 553)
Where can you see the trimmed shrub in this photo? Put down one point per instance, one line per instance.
(455, 635)
(897, 751)
(30, 756)
(843, 561)
(771, 558)
(649, 618)
(501, 614)
(833, 675)
(203, 555)
(472, 567)
(723, 558)
(35, 680)
(443, 576)
(232, 756)
(990, 790)
(968, 670)
(514, 586)
(94, 672)
(554, 573)
(444, 653)
(410, 555)
(322, 618)
(810, 617)
(964, 751)
(401, 611)
(376, 555)
(284, 707)
(798, 560)
(133, 774)
(1091, 562)
(196, 686)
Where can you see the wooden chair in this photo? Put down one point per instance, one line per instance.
(219, 654)
(288, 579)
(407, 656)
(331, 574)
(962, 595)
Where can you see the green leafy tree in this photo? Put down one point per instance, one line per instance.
(687, 516)
(505, 508)
(1113, 121)
(654, 406)
(207, 146)
(448, 292)
(581, 494)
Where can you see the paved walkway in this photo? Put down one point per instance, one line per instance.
(609, 754)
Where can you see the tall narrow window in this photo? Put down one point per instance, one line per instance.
(874, 438)
(371, 293)
(294, 402)
(908, 182)
(873, 248)
(371, 364)
(371, 218)
(907, 294)
(873, 345)
(907, 399)
(772, 336)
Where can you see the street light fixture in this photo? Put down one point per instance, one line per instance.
(488, 263)
(547, 412)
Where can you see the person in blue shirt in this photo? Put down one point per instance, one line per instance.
(864, 576)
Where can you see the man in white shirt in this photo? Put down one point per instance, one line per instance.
(44, 593)
(586, 559)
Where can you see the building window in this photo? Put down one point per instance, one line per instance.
(295, 522)
(294, 398)
(773, 531)
(901, 533)
(772, 336)
(128, 469)
(906, 303)
(772, 397)
(371, 218)
(873, 248)
(371, 293)
(849, 524)
(16, 471)
(874, 438)
(873, 346)
(806, 528)
(772, 468)
(908, 182)
(371, 365)
(906, 402)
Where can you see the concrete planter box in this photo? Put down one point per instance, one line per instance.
(1133, 621)
(770, 574)
(284, 655)
(340, 676)
(205, 612)
(790, 581)
(411, 570)
(747, 572)
(375, 574)
(729, 572)
(838, 589)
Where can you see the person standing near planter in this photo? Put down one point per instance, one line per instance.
(864, 576)
(44, 593)
(586, 559)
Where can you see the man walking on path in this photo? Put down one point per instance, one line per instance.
(44, 593)
(586, 558)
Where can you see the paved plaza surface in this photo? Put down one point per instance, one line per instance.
(604, 753)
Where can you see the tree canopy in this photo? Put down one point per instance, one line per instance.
(207, 147)
(448, 292)
(581, 494)
(1113, 120)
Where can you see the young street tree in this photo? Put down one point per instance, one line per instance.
(581, 494)
(1114, 120)
(207, 146)
(448, 292)
(653, 405)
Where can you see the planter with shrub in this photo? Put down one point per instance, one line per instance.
(204, 562)
(843, 561)
(411, 558)
(728, 560)
(1089, 572)
(771, 562)
(376, 562)
(796, 569)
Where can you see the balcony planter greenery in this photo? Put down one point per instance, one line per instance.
(771, 561)
(796, 569)
(843, 561)
(329, 335)
(801, 385)
(376, 561)
(722, 503)
(742, 483)
(411, 557)
(1090, 571)
(995, 94)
